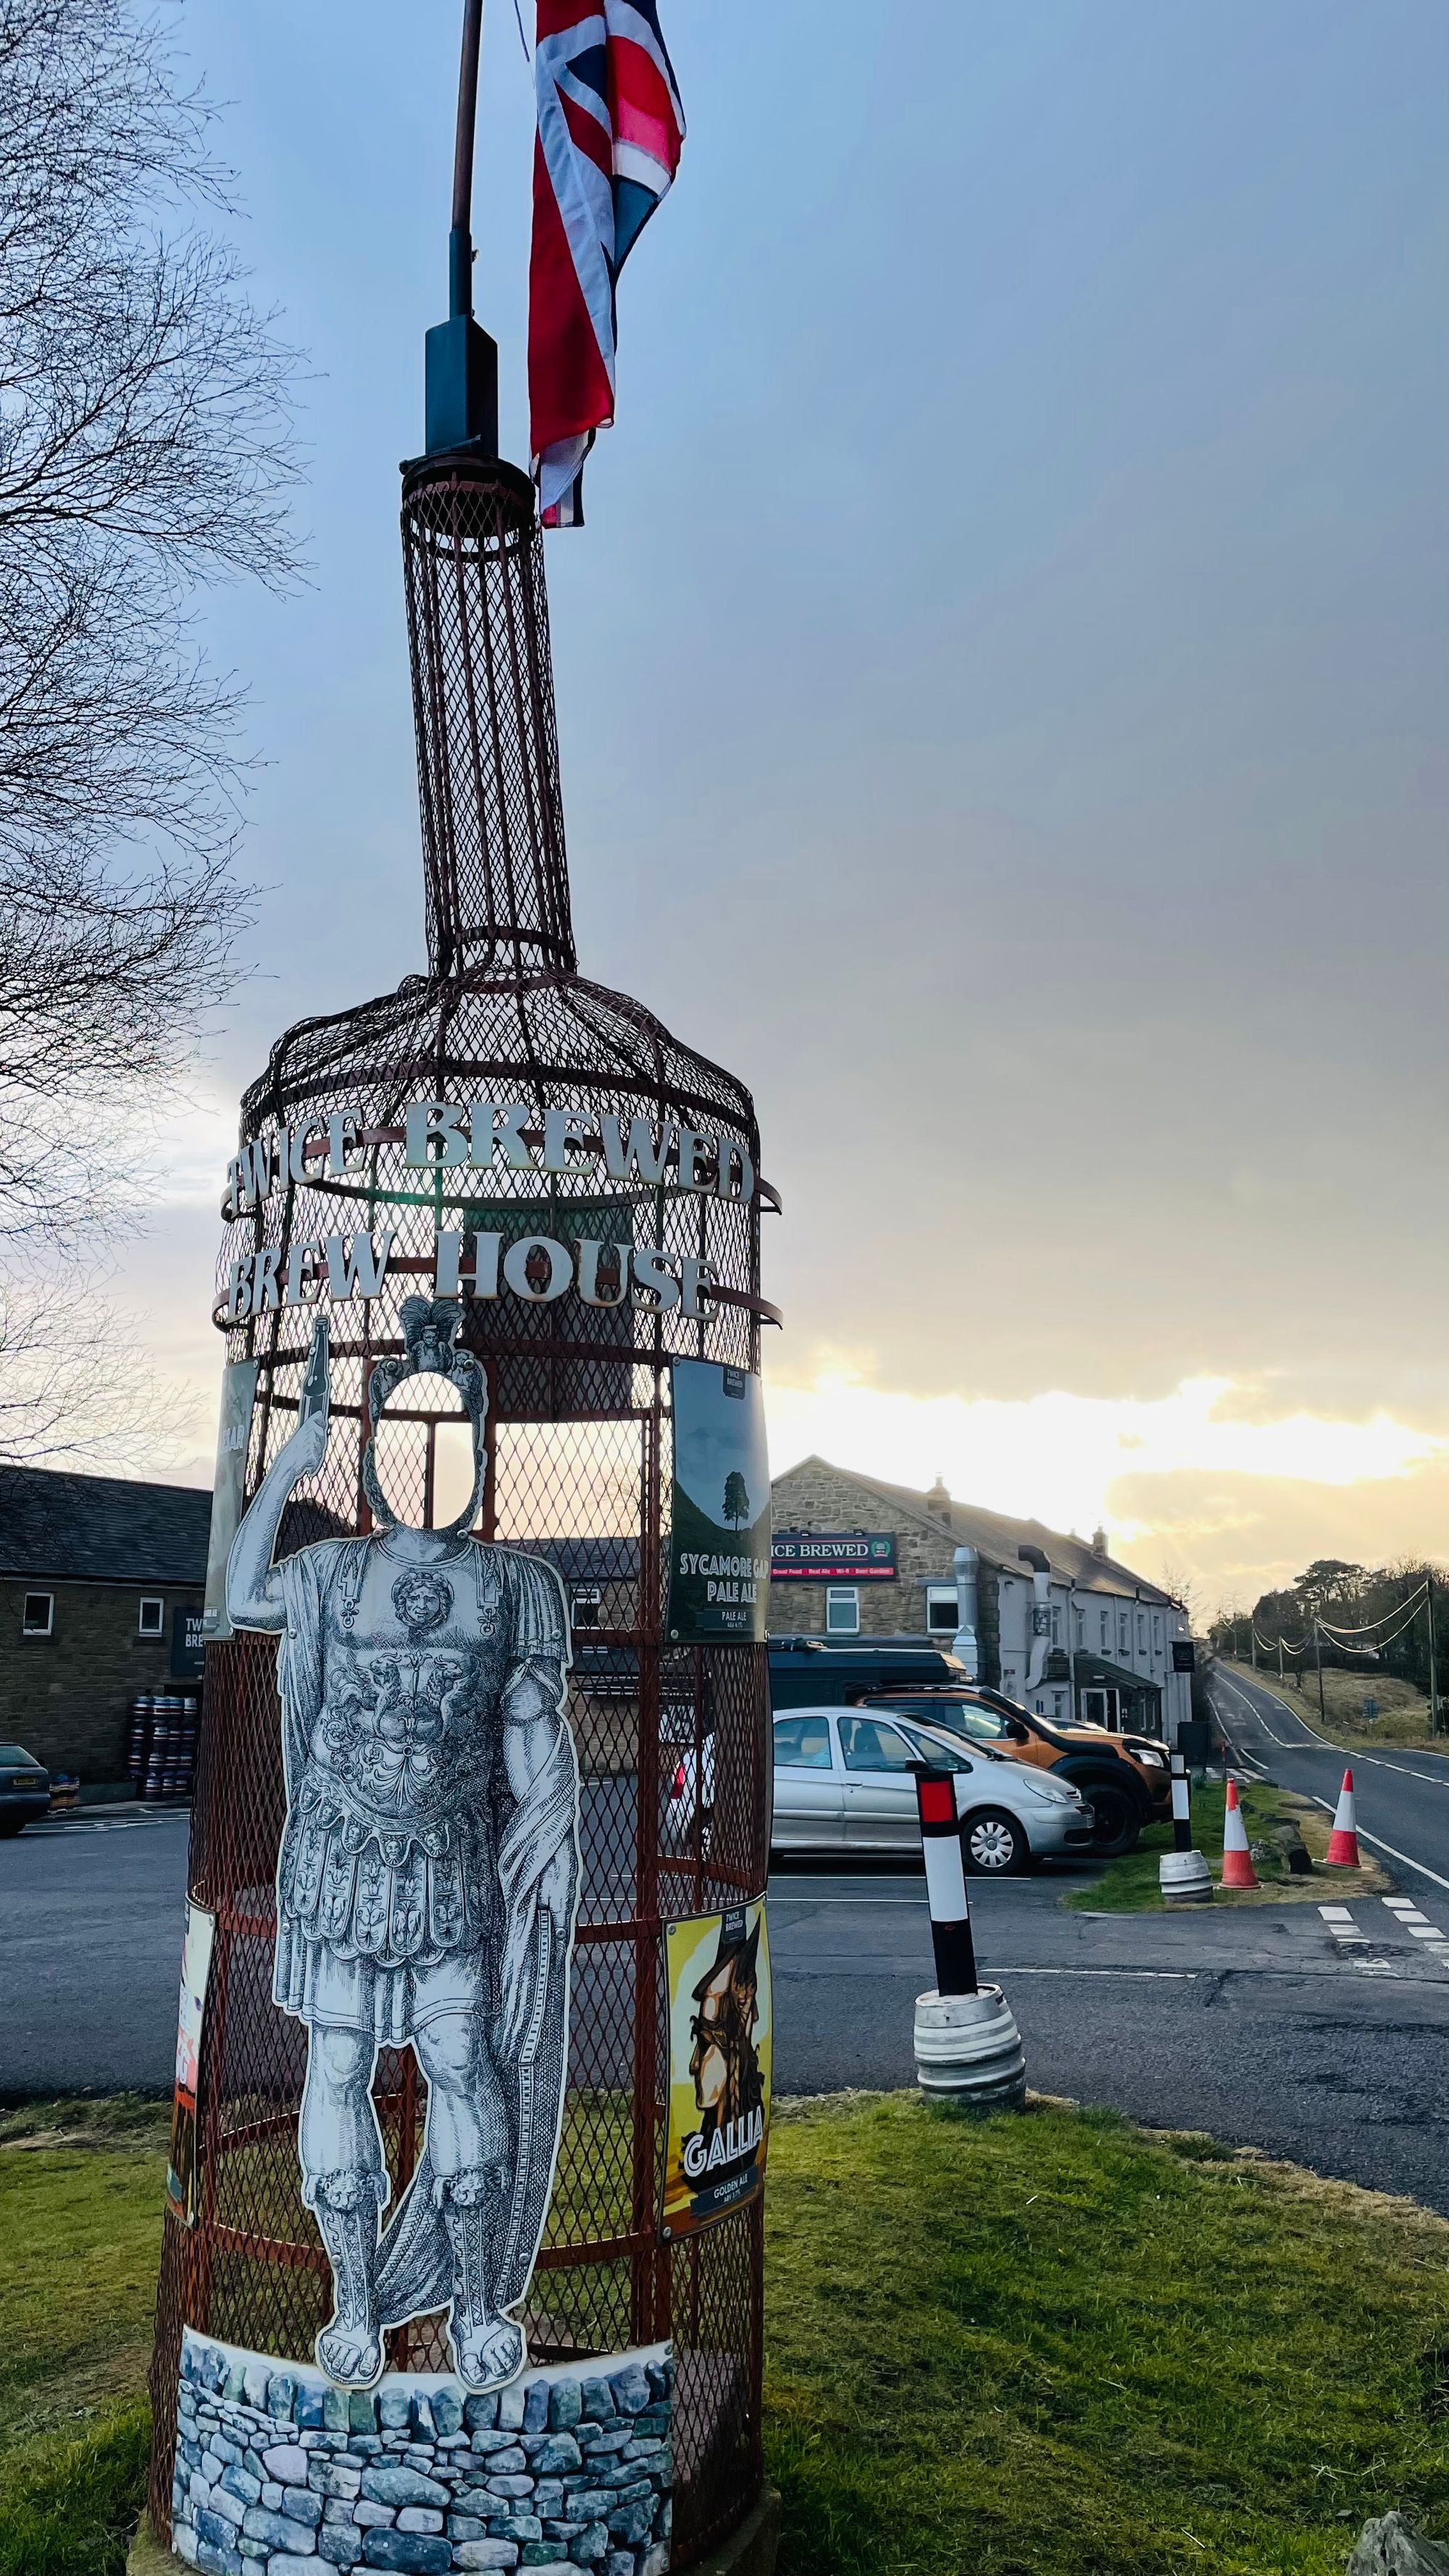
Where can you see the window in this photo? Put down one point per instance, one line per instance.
(942, 1618)
(1058, 1704)
(803, 1743)
(963, 1716)
(869, 1746)
(1081, 1619)
(1056, 1625)
(1106, 1617)
(1142, 1632)
(938, 1757)
(842, 1609)
(1124, 1633)
(38, 1617)
(584, 1604)
(1157, 1632)
(152, 1619)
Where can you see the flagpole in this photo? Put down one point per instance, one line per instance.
(460, 239)
(462, 362)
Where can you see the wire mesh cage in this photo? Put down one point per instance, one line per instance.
(578, 1471)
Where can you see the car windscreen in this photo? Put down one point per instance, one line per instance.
(941, 1757)
(16, 1753)
(952, 1716)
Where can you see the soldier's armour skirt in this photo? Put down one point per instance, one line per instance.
(401, 1898)
(389, 2004)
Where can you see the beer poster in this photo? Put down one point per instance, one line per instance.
(719, 1548)
(183, 2180)
(720, 2049)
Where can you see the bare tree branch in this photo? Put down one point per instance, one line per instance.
(70, 1386)
(145, 446)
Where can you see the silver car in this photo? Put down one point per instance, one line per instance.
(844, 1781)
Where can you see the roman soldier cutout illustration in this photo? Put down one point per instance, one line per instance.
(427, 1880)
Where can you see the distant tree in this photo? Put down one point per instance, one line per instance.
(1330, 1587)
(145, 445)
(736, 1499)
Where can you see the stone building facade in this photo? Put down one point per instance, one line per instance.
(101, 1585)
(1061, 1625)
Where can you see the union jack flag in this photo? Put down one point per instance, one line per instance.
(610, 128)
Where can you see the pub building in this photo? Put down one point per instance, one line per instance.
(1060, 1624)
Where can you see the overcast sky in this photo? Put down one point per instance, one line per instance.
(1001, 693)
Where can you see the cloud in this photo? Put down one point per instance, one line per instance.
(1066, 1459)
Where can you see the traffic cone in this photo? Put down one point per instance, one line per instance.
(1238, 1870)
(1343, 1841)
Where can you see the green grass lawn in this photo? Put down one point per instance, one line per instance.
(1055, 2345)
(1129, 1886)
(1048, 2345)
(81, 2189)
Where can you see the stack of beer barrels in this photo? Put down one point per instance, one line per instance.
(161, 1755)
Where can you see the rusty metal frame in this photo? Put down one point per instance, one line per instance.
(579, 1446)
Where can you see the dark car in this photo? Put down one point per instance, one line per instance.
(24, 1789)
(821, 1672)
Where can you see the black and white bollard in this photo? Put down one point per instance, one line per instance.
(1183, 1876)
(968, 2048)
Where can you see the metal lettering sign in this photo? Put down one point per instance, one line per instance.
(833, 1556)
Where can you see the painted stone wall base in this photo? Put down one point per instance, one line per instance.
(566, 2472)
(750, 2551)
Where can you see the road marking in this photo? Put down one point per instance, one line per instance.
(1172, 1976)
(1401, 1904)
(1422, 1867)
(1352, 1753)
(1284, 1742)
(1335, 1914)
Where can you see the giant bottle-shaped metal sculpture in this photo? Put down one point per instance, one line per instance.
(502, 1195)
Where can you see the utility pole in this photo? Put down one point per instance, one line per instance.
(1253, 1642)
(1318, 1659)
(1280, 1654)
(1434, 1726)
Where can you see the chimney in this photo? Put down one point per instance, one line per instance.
(1099, 1541)
(938, 1502)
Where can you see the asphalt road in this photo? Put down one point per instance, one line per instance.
(1402, 1795)
(1270, 2027)
(1264, 2026)
(90, 1935)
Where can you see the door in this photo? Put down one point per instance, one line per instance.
(808, 1787)
(880, 1786)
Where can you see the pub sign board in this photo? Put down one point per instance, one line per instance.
(833, 1556)
(1184, 1655)
(188, 1645)
(719, 1550)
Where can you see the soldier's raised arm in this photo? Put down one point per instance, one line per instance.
(253, 1587)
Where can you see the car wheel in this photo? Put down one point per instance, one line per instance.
(10, 1825)
(1116, 1824)
(994, 1845)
